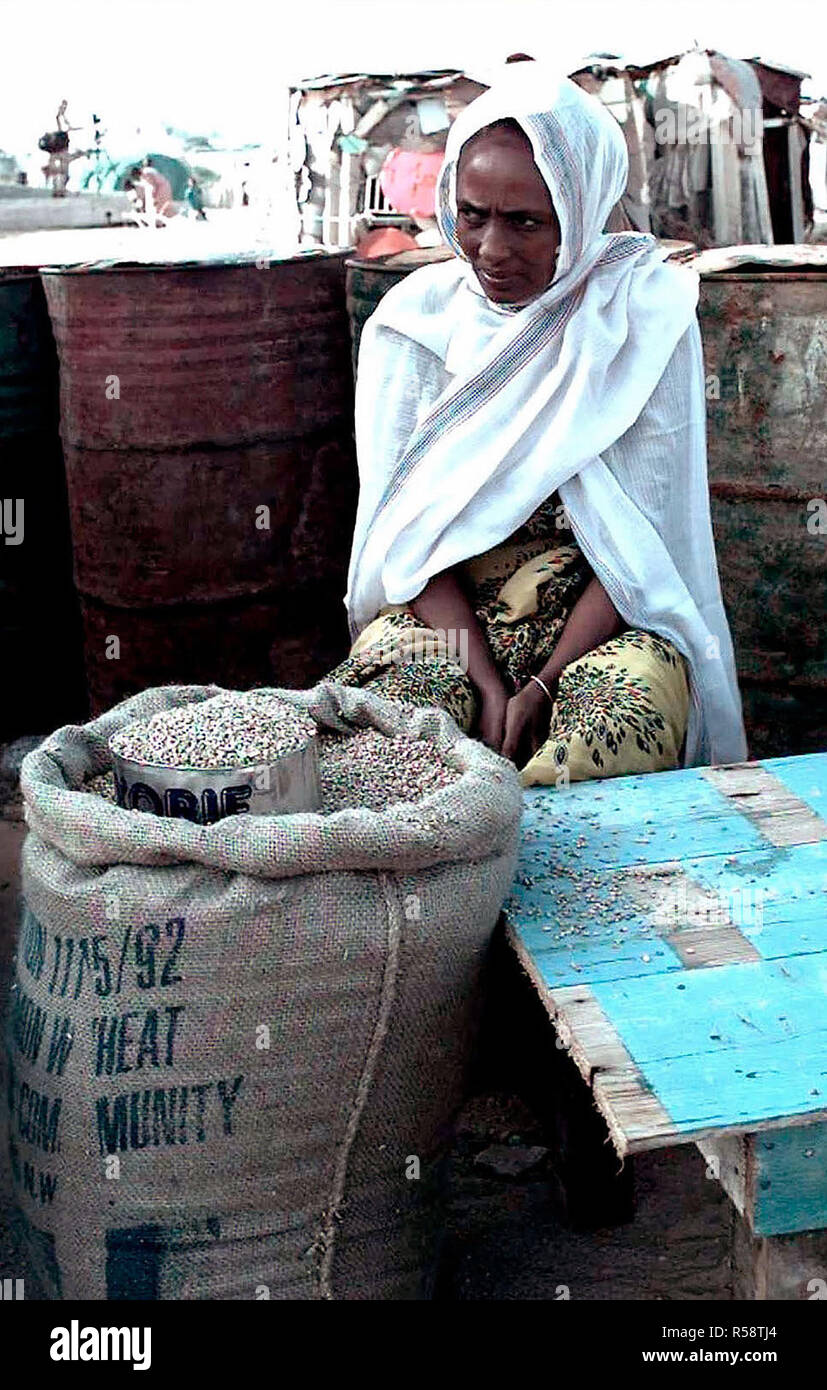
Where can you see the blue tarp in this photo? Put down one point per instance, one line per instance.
(113, 180)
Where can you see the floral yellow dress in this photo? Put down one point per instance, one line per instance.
(621, 708)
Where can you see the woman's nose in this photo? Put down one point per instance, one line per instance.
(493, 246)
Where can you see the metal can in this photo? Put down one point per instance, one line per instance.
(207, 795)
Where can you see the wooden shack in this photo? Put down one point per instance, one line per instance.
(718, 149)
(343, 128)
(786, 150)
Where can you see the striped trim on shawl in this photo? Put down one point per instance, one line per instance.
(458, 409)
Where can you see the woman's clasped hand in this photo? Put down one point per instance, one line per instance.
(514, 726)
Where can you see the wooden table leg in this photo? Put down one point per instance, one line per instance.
(518, 1053)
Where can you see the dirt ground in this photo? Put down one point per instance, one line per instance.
(505, 1233)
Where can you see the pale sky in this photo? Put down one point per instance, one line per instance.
(222, 65)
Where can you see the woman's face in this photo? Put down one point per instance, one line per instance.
(506, 223)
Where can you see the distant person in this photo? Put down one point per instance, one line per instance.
(99, 153)
(133, 182)
(194, 199)
(135, 193)
(55, 143)
(134, 186)
(157, 193)
(62, 120)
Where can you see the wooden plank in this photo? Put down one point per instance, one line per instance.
(762, 199)
(633, 1108)
(635, 1115)
(673, 926)
(633, 820)
(726, 184)
(795, 148)
(577, 1023)
(775, 1178)
(573, 941)
(699, 947)
(624, 1091)
(585, 926)
(776, 897)
(569, 891)
(737, 1047)
(638, 1122)
(631, 1096)
(781, 817)
(695, 920)
(788, 1191)
(595, 1048)
(728, 1158)
(585, 1031)
(582, 922)
(805, 777)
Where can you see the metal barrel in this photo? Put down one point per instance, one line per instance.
(206, 415)
(39, 616)
(765, 348)
(369, 280)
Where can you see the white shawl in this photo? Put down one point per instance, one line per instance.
(469, 415)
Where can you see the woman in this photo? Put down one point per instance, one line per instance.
(530, 422)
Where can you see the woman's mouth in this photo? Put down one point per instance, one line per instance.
(496, 279)
(502, 289)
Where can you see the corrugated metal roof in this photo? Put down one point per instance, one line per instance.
(310, 84)
(617, 63)
(779, 67)
(795, 257)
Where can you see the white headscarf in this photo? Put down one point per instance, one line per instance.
(469, 414)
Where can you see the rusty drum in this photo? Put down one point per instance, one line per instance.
(765, 347)
(39, 618)
(369, 280)
(206, 415)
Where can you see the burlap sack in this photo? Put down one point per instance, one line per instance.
(235, 1050)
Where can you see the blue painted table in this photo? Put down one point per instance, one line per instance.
(675, 927)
